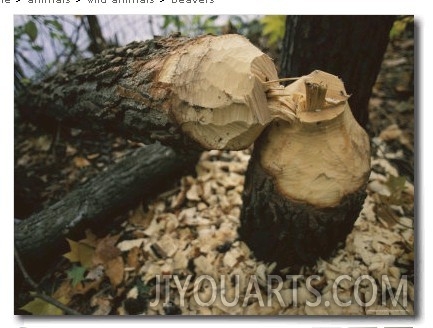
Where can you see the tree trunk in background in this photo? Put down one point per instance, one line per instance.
(306, 179)
(351, 47)
(97, 40)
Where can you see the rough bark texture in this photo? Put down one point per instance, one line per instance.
(145, 173)
(207, 89)
(288, 232)
(351, 47)
(112, 91)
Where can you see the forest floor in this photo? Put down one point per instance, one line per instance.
(188, 236)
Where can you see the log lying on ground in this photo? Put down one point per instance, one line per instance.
(143, 174)
(305, 183)
(207, 88)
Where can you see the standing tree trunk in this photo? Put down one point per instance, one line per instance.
(305, 183)
(351, 47)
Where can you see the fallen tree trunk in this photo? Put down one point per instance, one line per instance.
(305, 183)
(208, 89)
(143, 174)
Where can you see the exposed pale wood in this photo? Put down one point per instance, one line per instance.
(348, 46)
(223, 93)
(207, 88)
(320, 156)
(218, 96)
(305, 182)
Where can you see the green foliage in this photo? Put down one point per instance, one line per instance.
(76, 274)
(400, 25)
(30, 43)
(54, 23)
(31, 30)
(274, 28)
(191, 25)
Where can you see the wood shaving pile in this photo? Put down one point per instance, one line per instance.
(184, 250)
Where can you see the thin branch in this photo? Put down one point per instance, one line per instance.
(55, 302)
(26, 276)
(37, 294)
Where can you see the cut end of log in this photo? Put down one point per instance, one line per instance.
(319, 154)
(224, 103)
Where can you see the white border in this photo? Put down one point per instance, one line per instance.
(424, 177)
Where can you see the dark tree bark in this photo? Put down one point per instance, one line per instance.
(177, 90)
(288, 232)
(148, 91)
(351, 47)
(113, 91)
(141, 175)
(306, 179)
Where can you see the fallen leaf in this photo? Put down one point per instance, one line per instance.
(106, 250)
(132, 260)
(103, 305)
(85, 286)
(395, 62)
(127, 245)
(141, 218)
(114, 270)
(80, 253)
(76, 274)
(65, 291)
(90, 240)
(40, 307)
(390, 133)
(96, 273)
(75, 132)
(70, 151)
(93, 156)
(81, 162)
(43, 143)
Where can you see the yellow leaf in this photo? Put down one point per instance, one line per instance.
(81, 253)
(115, 270)
(40, 307)
(81, 162)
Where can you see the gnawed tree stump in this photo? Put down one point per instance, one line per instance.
(349, 46)
(188, 93)
(305, 182)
